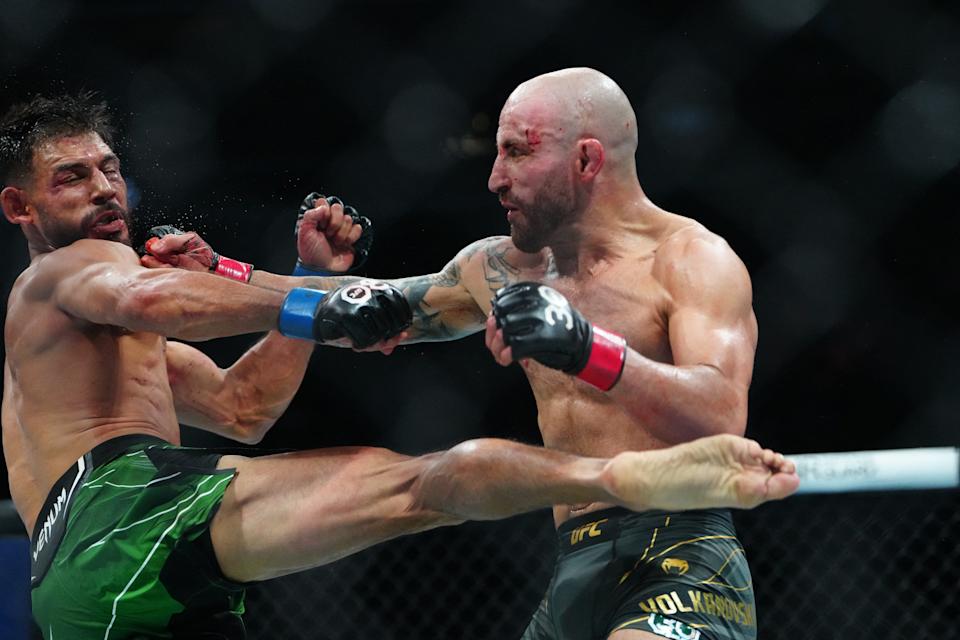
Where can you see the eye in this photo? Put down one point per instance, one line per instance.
(512, 151)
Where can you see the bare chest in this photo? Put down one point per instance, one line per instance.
(573, 415)
(629, 302)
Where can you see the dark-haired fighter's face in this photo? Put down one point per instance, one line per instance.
(78, 192)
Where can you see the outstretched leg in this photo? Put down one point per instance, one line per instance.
(294, 511)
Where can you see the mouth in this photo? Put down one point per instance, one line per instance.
(107, 223)
(512, 210)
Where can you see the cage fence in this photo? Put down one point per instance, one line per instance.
(882, 566)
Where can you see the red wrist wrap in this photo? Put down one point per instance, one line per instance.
(608, 353)
(234, 269)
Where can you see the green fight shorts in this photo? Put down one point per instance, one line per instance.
(677, 575)
(122, 547)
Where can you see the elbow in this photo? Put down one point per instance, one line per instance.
(251, 429)
(713, 409)
(735, 422)
(731, 414)
(145, 307)
(250, 437)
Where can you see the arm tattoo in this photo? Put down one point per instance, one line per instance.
(497, 270)
(552, 267)
(429, 322)
(328, 283)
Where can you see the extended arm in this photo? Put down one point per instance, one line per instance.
(446, 305)
(104, 283)
(245, 400)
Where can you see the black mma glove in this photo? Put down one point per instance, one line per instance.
(539, 323)
(361, 248)
(365, 312)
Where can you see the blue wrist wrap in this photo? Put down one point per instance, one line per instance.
(303, 270)
(296, 312)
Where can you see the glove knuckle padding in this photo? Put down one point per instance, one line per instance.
(157, 231)
(366, 311)
(308, 203)
(361, 248)
(400, 311)
(373, 321)
(539, 323)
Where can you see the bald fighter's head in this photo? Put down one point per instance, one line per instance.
(583, 103)
(561, 136)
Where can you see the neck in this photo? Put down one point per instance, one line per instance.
(611, 221)
(38, 248)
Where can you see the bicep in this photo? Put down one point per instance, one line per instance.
(713, 322)
(443, 307)
(727, 344)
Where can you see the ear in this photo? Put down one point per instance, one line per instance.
(14, 205)
(590, 158)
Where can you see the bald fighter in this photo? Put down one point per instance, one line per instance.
(635, 328)
(135, 536)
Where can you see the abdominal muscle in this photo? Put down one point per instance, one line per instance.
(575, 418)
(63, 402)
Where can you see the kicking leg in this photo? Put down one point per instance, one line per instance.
(294, 511)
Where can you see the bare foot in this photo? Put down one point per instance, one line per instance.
(718, 471)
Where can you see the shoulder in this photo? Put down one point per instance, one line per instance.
(500, 249)
(86, 252)
(46, 271)
(694, 261)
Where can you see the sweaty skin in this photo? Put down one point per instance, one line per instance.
(565, 172)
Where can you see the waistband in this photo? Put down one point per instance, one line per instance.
(53, 514)
(107, 451)
(602, 526)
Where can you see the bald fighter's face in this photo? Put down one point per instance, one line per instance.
(76, 191)
(533, 174)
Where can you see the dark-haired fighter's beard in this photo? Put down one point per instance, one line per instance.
(61, 234)
(539, 222)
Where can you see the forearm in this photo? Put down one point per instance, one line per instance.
(275, 282)
(680, 403)
(193, 306)
(488, 479)
(265, 379)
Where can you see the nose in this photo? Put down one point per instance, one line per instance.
(498, 182)
(103, 189)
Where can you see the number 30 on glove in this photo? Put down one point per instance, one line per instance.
(538, 322)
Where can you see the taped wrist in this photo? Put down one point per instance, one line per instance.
(298, 311)
(230, 268)
(608, 354)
